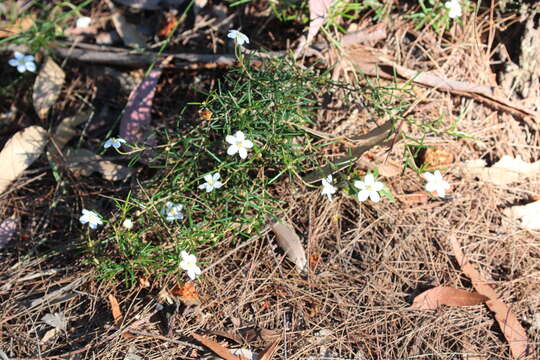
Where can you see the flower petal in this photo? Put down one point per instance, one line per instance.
(233, 149)
(247, 144)
(216, 176)
(377, 186)
(374, 196)
(230, 139)
(360, 185)
(242, 152)
(21, 68)
(369, 179)
(239, 136)
(363, 195)
(13, 62)
(18, 55)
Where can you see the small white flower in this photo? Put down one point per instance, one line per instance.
(128, 224)
(435, 182)
(328, 188)
(114, 142)
(454, 8)
(172, 211)
(212, 182)
(189, 263)
(83, 22)
(23, 62)
(92, 218)
(369, 188)
(238, 37)
(239, 144)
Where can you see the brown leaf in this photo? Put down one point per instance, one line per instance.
(20, 152)
(218, 349)
(136, 119)
(128, 32)
(187, 293)
(291, 244)
(268, 353)
(528, 214)
(65, 131)
(47, 87)
(84, 162)
(377, 136)
(437, 157)
(8, 228)
(318, 10)
(22, 24)
(115, 309)
(512, 330)
(443, 295)
(505, 171)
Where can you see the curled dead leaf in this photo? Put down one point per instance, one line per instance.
(115, 309)
(20, 152)
(22, 24)
(220, 350)
(65, 131)
(84, 162)
(291, 244)
(47, 87)
(507, 170)
(528, 215)
(187, 293)
(515, 334)
(443, 295)
(437, 158)
(8, 228)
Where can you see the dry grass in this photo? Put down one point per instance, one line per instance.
(367, 262)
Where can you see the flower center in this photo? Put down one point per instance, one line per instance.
(239, 143)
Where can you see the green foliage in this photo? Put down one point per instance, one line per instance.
(264, 103)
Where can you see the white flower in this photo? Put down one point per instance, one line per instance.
(436, 183)
(92, 218)
(238, 144)
(238, 37)
(172, 211)
(128, 224)
(189, 263)
(114, 142)
(83, 22)
(369, 188)
(212, 182)
(454, 8)
(23, 62)
(328, 188)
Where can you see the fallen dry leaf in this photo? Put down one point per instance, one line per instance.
(84, 162)
(318, 10)
(128, 32)
(515, 334)
(51, 333)
(443, 295)
(47, 87)
(270, 350)
(187, 293)
(8, 228)
(507, 170)
(143, 282)
(115, 309)
(164, 296)
(65, 131)
(218, 349)
(56, 320)
(528, 215)
(20, 152)
(22, 24)
(137, 117)
(437, 158)
(291, 244)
